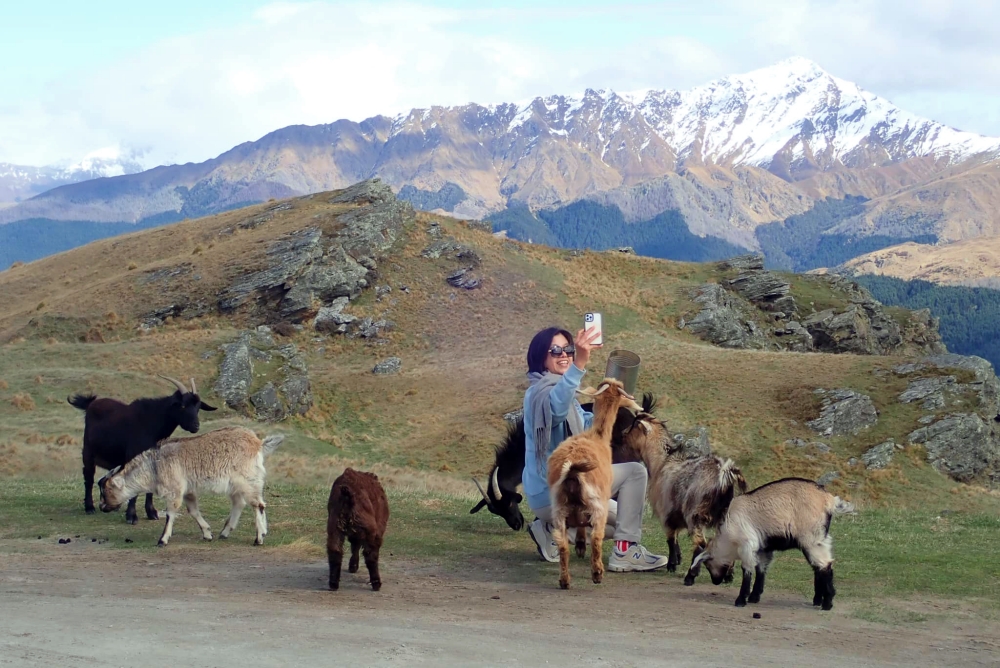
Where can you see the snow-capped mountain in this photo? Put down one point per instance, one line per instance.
(729, 155)
(19, 182)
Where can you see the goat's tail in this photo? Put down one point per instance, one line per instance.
(81, 401)
(272, 442)
(730, 477)
(570, 468)
(841, 507)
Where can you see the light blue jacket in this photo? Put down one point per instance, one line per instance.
(562, 399)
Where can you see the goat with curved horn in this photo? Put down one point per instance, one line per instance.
(480, 488)
(177, 383)
(194, 390)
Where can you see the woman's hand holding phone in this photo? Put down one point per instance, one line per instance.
(584, 344)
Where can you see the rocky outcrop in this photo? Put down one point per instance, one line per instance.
(981, 381)
(726, 320)
(962, 446)
(757, 296)
(310, 268)
(844, 412)
(261, 379)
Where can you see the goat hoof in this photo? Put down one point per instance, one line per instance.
(376, 586)
(564, 584)
(741, 603)
(598, 578)
(258, 541)
(353, 568)
(754, 598)
(153, 515)
(827, 605)
(132, 520)
(208, 538)
(91, 511)
(671, 568)
(334, 586)
(161, 544)
(688, 580)
(817, 601)
(223, 536)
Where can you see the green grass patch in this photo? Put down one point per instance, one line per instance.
(881, 555)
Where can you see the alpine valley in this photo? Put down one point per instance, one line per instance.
(790, 160)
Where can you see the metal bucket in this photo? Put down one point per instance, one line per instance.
(623, 365)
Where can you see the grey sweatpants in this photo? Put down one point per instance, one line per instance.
(624, 515)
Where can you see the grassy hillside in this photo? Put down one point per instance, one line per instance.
(69, 323)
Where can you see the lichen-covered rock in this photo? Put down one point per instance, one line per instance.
(879, 456)
(388, 366)
(986, 384)
(267, 405)
(963, 446)
(930, 390)
(761, 287)
(793, 336)
(450, 248)
(726, 320)
(465, 279)
(318, 264)
(694, 442)
(749, 262)
(514, 416)
(235, 373)
(261, 380)
(844, 412)
(827, 478)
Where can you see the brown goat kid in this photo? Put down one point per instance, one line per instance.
(580, 478)
(358, 510)
(691, 494)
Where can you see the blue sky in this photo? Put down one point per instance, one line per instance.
(185, 80)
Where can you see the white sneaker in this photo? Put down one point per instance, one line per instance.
(635, 559)
(541, 533)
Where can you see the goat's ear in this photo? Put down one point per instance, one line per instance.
(479, 506)
(206, 407)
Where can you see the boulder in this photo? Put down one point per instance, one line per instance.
(450, 248)
(762, 288)
(879, 456)
(986, 384)
(693, 443)
(388, 366)
(749, 262)
(251, 382)
(465, 279)
(827, 478)
(962, 446)
(845, 412)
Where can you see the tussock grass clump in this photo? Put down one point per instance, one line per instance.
(23, 401)
(4, 385)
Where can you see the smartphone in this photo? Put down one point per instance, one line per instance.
(592, 320)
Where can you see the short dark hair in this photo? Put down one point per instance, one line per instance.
(538, 350)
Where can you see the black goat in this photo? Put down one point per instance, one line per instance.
(115, 432)
(501, 496)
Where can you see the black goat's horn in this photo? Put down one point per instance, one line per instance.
(485, 498)
(179, 384)
(495, 484)
(194, 390)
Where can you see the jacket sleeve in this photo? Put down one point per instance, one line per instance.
(562, 397)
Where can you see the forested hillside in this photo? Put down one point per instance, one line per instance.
(970, 317)
(586, 224)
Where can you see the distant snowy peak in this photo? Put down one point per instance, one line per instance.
(104, 162)
(20, 182)
(792, 118)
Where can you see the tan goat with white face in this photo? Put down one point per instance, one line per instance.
(580, 477)
(226, 461)
(791, 513)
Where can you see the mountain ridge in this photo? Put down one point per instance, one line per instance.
(731, 155)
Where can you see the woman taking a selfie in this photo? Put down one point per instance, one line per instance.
(551, 414)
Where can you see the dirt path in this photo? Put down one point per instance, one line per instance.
(81, 605)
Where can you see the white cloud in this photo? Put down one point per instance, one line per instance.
(191, 98)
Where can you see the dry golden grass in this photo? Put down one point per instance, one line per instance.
(23, 401)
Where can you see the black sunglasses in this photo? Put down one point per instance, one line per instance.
(557, 351)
